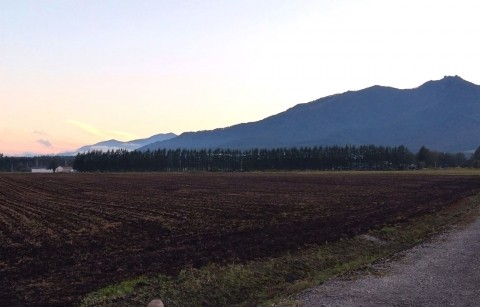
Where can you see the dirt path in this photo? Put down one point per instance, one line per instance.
(443, 272)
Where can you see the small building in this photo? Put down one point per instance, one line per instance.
(41, 170)
(64, 169)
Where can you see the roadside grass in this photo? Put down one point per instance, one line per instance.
(117, 291)
(271, 281)
(453, 171)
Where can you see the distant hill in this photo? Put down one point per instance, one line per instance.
(130, 145)
(443, 115)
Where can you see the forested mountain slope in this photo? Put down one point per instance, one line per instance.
(443, 115)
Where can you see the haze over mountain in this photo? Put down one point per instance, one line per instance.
(443, 115)
(129, 145)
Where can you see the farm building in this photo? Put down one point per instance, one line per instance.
(41, 170)
(64, 169)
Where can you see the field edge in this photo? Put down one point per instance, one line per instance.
(272, 281)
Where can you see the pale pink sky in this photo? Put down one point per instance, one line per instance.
(74, 73)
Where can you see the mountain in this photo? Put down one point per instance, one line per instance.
(130, 145)
(443, 115)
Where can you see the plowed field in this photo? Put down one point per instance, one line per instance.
(63, 235)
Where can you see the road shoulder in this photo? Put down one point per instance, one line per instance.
(444, 271)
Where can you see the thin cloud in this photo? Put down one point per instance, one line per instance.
(87, 128)
(45, 143)
(123, 135)
(104, 134)
(39, 132)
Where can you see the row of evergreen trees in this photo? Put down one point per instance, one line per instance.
(368, 157)
(306, 158)
(25, 164)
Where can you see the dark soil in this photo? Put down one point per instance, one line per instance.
(64, 235)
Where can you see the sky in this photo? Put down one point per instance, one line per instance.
(74, 73)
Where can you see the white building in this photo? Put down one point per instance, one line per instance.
(41, 170)
(64, 169)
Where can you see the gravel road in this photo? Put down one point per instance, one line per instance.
(442, 272)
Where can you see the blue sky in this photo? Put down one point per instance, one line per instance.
(78, 72)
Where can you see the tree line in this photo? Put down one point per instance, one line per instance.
(25, 164)
(368, 157)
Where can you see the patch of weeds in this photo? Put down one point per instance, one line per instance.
(115, 292)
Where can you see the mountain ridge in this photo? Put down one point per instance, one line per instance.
(113, 144)
(440, 114)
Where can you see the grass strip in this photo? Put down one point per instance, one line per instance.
(266, 281)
